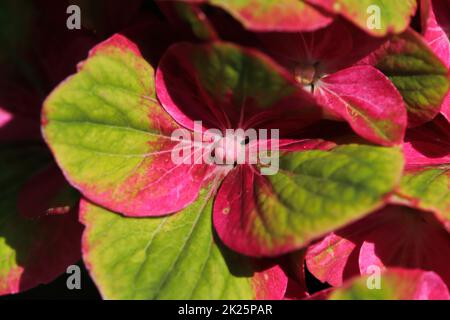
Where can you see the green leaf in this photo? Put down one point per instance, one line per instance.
(428, 188)
(394, 16)
(313, 193)
(419, 75)
(174, 257)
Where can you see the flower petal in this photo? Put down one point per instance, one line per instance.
(368, 101)
(230, 87)
(173, 257)
(313, 193)
(273, 15)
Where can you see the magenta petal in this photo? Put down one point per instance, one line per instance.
(163, 187)
(295, 290)
(368, 101)
(46, 193)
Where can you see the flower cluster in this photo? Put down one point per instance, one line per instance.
(105, 159)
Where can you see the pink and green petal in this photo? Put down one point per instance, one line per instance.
(396, 284)
(173, 257)
(313, 193)
(33, 251)
(394, 16)
(273, 15)
(253, 91)
(113, 140)
(367, 100)
(420, 76)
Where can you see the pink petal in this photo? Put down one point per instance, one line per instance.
(232, 207)
(332, 259)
